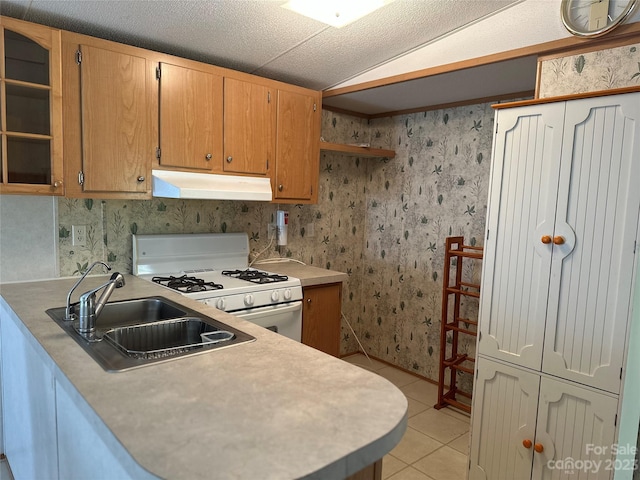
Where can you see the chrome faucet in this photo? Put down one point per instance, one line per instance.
(68, 316)
(90, 309)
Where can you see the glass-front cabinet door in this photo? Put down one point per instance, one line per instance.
(30, 109)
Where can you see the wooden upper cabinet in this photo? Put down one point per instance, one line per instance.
(110, 117)
(115, 124)
(297, 147)
(190, 118)
(249, 127)
(30, 109)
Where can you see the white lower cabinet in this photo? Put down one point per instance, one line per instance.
(82, 449)
(544, 428)
(29, 408)
(50, 431)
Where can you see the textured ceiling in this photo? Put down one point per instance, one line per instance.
(260, 37)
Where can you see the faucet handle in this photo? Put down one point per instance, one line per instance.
(118, 279)
(67, 314)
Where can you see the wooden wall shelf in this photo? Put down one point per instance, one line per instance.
(356, 151)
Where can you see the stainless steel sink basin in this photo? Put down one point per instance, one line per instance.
(166, 338)
(135, 333)
(130, 312)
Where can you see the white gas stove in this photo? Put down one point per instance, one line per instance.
(212, 268)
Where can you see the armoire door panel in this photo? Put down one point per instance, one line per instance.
(497, 450)
(590, 286)
(522, 205)
(573, 422)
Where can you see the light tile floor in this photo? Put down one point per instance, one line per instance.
(5, 473)
(436, 443)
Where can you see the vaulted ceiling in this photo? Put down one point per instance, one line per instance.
(262, 38)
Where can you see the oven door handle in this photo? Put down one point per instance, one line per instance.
(275, 309)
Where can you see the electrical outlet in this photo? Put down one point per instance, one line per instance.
(79, 235)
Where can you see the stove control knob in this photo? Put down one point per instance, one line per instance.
(220, 304)
(275, 296)
(249, 300)
(287, 294)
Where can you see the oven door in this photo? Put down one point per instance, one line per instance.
(285, 319)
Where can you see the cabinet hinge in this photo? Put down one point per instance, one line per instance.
(615, 421)
(268, 97)
(487, 234)
(315, 107)
(635, 246)
(78, 57)
(81, 177)
(267, 164)
(158, 72)
(620, 373)
(158, 153)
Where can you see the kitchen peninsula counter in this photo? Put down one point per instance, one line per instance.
(272, 408)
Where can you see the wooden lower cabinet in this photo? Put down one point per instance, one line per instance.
(528, 426)
(371, 472)
(321, 314)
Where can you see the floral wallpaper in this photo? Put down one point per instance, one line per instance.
(587, 72)
(382, 221)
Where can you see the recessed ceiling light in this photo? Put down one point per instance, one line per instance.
(336, 13)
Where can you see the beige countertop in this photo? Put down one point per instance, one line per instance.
(273, 408)
(307, 274)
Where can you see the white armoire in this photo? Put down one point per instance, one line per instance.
(558, 274)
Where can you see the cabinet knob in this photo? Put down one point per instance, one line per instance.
(526, 443)
(57, 183)
(308, 300)
(208, 156)
(558, 240)
(538, 448)
(140, 179)
(229, 159)
(546, 239)
(280, 187)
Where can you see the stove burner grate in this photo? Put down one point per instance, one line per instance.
(255, 276)
(187, 284)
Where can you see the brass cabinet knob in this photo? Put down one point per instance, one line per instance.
(229, 159)
(308, 300)
(140, 179)
(57, 183)
(280, 187)
(208, 156)
(546, 239)
(558, 240)
(538, 448)
(527, 443)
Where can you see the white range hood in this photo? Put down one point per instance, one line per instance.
(205, 186)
